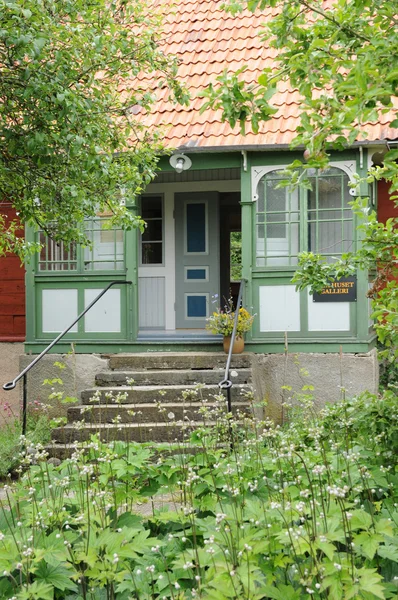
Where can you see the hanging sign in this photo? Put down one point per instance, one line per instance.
(343, 290)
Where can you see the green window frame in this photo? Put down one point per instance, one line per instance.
(288, 221)
(277, 222)
(329, 216)
(106, 252)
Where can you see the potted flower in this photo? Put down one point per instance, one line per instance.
(222, 322)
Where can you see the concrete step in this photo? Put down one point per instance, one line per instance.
(146, 413)
(171, 377)
(151, 393)
(178, 360)
(145, 432)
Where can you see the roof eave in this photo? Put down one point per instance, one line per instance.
(269, 147)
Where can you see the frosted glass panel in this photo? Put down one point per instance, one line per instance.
(104, 316)
(279, 308)
(59, 308)
(328, 316)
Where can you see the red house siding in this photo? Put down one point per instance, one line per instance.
(12, 292)
(385, 207)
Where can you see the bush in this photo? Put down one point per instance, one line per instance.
(10, 435)
(306, 511)
(39, 428)
(388, 365)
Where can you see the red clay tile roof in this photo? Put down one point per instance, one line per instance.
(207, 40)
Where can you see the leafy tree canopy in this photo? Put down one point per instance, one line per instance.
(65, 126)
(342, 57)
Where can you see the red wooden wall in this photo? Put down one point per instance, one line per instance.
(12, 292)
(385, 206)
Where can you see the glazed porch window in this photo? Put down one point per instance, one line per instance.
(288, 222)
(330, 218)
(105, 254)
(277, 223)
(56, 256)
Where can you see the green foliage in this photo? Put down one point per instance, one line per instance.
(236, 255)
(342, 58)
(308, 510)
(239, 101)
(9, 447)
(12, 443)
(70, 145)
(388, 366)
(344, 50)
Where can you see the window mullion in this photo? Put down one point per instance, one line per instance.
(79, 258)
(343, 242)
(317, 212)
(303, 218)
(288, 218)
(266, 257)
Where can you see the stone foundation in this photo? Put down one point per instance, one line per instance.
(9, 369)
(79, 373)
(327, 373)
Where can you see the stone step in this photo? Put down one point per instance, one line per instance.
(180, 360)
(63, 451)
(144, 413)
(171, 377)
(145, 432)
(151, 393)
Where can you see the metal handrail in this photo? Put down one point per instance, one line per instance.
(226, 383)
(11, 384)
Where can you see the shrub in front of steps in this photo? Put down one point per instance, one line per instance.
(304, 511)
(12, 444)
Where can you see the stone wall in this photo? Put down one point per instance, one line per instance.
(329, 374)
(9, 369)
(78, 374)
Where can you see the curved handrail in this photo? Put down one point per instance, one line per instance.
(226, 383)
(11, 384)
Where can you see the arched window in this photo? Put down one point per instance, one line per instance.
(277, 222)
(291, 221)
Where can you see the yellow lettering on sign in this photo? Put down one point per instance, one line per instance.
(330, 290)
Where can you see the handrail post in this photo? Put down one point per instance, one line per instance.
(226, 383)
(24, 403)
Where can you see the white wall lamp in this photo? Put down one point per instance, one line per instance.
(180, 162)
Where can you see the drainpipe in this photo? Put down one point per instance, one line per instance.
(361, 157)
(244, 154)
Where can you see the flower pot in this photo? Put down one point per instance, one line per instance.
(237, 348)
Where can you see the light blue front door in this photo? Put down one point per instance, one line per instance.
(197, 257)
